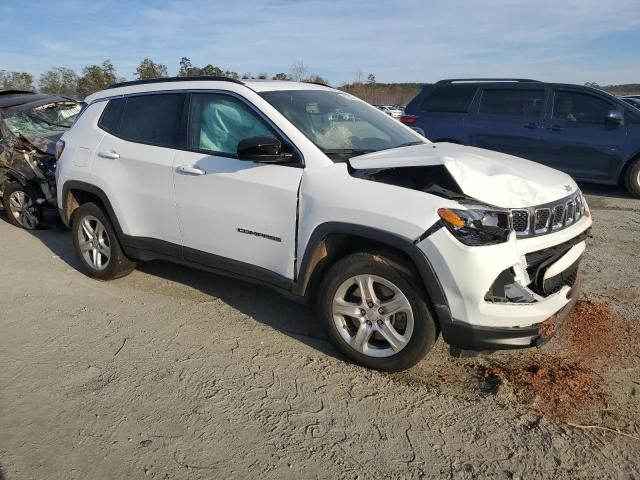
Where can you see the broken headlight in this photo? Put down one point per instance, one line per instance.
(477, 226)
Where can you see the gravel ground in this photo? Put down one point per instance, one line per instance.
(176, 373)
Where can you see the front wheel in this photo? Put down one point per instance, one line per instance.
(20, 205)
(632, 179)
(96, 244)
(376, 313)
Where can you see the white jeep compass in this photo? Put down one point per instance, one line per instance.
(397, 238)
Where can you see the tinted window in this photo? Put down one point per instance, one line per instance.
(219, 122)
(577, 107)
(450, 99)
(110, 119)
(503, 101)
(153, 119)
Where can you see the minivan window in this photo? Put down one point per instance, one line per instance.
(516, 102)
(110, 119)
(219, 122)
(575, 107)
(153, 119)
(453, 99)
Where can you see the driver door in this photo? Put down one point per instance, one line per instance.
(234, 214)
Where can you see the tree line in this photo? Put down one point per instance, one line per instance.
(92, 78)
(66, 81)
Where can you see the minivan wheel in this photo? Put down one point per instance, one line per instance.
(97, 245)
(376, 313)
(20, 205)
(633, 178)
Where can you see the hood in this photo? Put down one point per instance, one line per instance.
(46, 145)
(490, 177)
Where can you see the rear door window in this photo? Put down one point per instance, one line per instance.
(452, 99)
(575, 107)
(513, 102)
(154, 119)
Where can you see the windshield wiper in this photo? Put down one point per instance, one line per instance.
(408, 144)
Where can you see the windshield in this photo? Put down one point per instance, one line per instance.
(43, 120)
(341, 125)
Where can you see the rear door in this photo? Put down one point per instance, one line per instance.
(579, 139)
(508, 120)
(136, 155)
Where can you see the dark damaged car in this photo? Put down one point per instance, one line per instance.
(30, 125)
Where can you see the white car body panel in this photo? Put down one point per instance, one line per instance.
(236, 195)
(491, 177)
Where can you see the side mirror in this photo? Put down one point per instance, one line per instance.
(614, 116)
(262, 149)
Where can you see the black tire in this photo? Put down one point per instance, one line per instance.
(425, 330)
(32, 222)
(632, 178)
(118, 264)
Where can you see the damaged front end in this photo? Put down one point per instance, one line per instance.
(28, 161)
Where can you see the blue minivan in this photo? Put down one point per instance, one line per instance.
(583, 131)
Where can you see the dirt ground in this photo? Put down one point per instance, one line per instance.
(172, 373)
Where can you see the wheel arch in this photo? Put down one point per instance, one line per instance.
(76, 193)
(332, 241)
(626, 166)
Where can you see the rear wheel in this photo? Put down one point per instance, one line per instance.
(96, 244)
(20, 205)
(375, 311)
(632, 179)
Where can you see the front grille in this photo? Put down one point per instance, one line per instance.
(548, 218)
(520, 220)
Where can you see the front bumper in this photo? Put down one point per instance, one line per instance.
(480, 321)
(465, 336)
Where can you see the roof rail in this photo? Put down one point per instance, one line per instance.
(313, 82)
(176, 79)
(462, 80)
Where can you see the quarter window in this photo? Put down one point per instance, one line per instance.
(515, 102)
(219, 122)
(575, 107)
(454, 99)
(110, 119)
(153, 119)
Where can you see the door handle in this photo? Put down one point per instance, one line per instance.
(191, 170)
(532, 126)
(110, 154)
(555, 128)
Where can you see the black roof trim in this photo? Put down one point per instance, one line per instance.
(462, 80)
(15, 92)
(175, 79)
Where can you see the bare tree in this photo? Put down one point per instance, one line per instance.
(16, 81)
(298, 71)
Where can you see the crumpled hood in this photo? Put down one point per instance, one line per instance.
(491, 177)
(43, 144)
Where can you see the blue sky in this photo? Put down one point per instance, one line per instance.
(406, 40)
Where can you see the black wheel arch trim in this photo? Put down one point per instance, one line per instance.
(421, 262)
(13, 176)
(92, 189)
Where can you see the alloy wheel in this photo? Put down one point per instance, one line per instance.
(373, 315)
(23, 209)
(94, 243)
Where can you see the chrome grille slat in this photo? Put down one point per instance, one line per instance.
(548, 218)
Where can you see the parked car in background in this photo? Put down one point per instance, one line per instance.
(397, 238)
(583, 131)
(30, 125)
(634, 101)
(391, 111)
